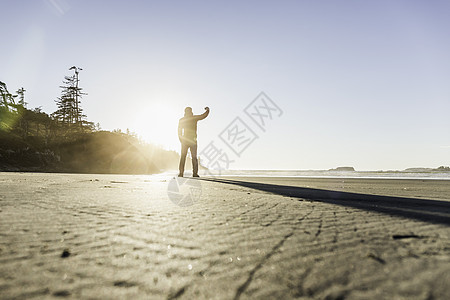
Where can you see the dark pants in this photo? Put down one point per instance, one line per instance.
(184, 150)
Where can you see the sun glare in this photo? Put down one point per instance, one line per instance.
(158, 124)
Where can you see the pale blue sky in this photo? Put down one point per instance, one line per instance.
(361, 83)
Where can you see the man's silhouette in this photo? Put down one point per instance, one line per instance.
(187, 133)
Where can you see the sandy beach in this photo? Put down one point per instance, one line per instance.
(128, 236)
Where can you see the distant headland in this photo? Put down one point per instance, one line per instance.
(408, 170)
(425, 170)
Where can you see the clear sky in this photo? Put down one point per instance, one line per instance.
(360, 83)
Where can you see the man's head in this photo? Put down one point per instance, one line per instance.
(188, 111)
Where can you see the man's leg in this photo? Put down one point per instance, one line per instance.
(194, 160)
(184, 150)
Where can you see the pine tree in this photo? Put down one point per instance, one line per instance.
(7, 99)
(69, 111)
(21, 93)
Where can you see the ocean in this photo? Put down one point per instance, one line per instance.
(333, 174)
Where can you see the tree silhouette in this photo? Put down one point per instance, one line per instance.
(21, 94)
(7, 108)
(7, 99)
(69, 112)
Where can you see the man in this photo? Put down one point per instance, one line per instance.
(187, 134)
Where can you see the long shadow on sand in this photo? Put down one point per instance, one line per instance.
(433, 211)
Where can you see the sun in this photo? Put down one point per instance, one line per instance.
(158, 124)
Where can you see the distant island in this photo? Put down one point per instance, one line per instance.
(424, 170)
(408, 170)
(343, 169)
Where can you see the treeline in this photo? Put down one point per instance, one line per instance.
(442, 169)
(36, 126)
(64, 141)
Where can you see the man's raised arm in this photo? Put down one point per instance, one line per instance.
(203, 115)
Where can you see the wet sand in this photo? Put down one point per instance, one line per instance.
(121, 236)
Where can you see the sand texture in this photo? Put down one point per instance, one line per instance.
(121, 236)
